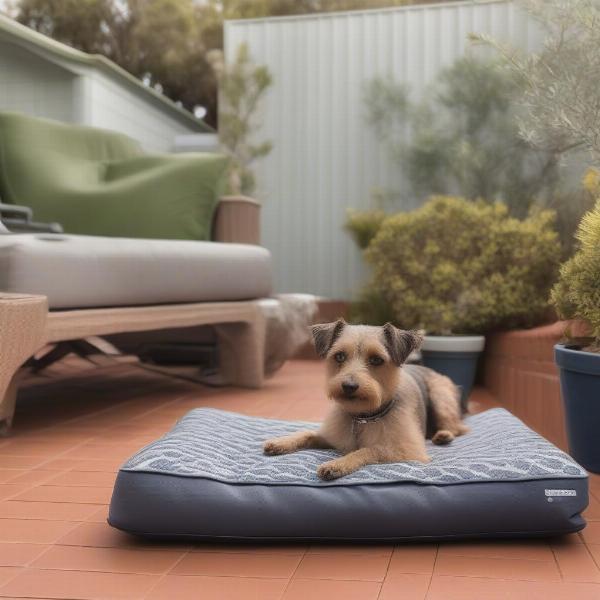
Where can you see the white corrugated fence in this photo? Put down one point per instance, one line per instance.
(326, 158)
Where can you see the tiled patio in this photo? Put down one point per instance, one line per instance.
(56, 476)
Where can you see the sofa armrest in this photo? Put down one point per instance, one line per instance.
(237, 219)
(22, 213)
(18, 219)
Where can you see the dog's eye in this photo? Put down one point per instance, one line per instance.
(339, 357)
(375, 361)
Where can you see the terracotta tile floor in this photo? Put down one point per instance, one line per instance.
(56, 476)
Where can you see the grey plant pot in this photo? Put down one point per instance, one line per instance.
(455, 356)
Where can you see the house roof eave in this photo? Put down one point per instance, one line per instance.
(70, 58)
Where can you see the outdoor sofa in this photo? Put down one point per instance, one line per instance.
(150, 243)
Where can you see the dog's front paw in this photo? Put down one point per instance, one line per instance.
(442, 437)
(330, 470)
(274, 447)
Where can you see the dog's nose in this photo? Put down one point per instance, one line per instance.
(349, 387)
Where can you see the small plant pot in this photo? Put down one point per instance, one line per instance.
(455, 356)
(580, 390)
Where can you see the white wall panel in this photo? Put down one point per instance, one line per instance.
(325, 157)
(112, 106)
(30, 85)
(35, 86)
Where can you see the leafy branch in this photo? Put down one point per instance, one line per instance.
(242, 88)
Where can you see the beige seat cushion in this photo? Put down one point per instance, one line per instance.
(83, 271)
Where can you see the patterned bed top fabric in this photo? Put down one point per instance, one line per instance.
(223, 446)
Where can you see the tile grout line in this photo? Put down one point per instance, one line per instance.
(521, 579)
(145, 573)
(132, 548)
(592, 556)
(92, 437)
(31, 469)
(176, 400)
(257, 577)
(556, 562)
(263, 578)
(289, 581)
(100, 411)
(437, 552)
(54, 473)
(20, 570)
(73, 485)
(48, 502)
(169, 572)
(59, 455)
(61, 597)
(49, 547)
(42, 598)
(504, 558)
(387, 569)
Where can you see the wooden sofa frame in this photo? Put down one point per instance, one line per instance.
(26, 324)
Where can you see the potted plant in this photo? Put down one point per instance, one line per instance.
(577, 296)
(459, 269)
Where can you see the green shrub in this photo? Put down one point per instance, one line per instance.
(570, 208)
(371, 308)
(576, 295)
(364, 225)
(458, 266)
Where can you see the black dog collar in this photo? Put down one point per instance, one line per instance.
(364, 418)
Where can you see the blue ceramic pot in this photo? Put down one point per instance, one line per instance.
(580, 390)
(455, 356)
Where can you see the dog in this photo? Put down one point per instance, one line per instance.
(384, 409)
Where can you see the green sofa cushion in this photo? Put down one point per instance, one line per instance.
(98, 182)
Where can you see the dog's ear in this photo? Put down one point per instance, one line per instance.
(400, 343)
(325, 334)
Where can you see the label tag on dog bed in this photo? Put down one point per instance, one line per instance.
(551, 493)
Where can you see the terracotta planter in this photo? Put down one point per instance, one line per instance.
(520, 373)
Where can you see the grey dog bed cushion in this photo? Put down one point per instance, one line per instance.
(208, 478)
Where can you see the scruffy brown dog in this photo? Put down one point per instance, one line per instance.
(384, 409)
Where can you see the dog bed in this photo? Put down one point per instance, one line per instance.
(208, 478)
